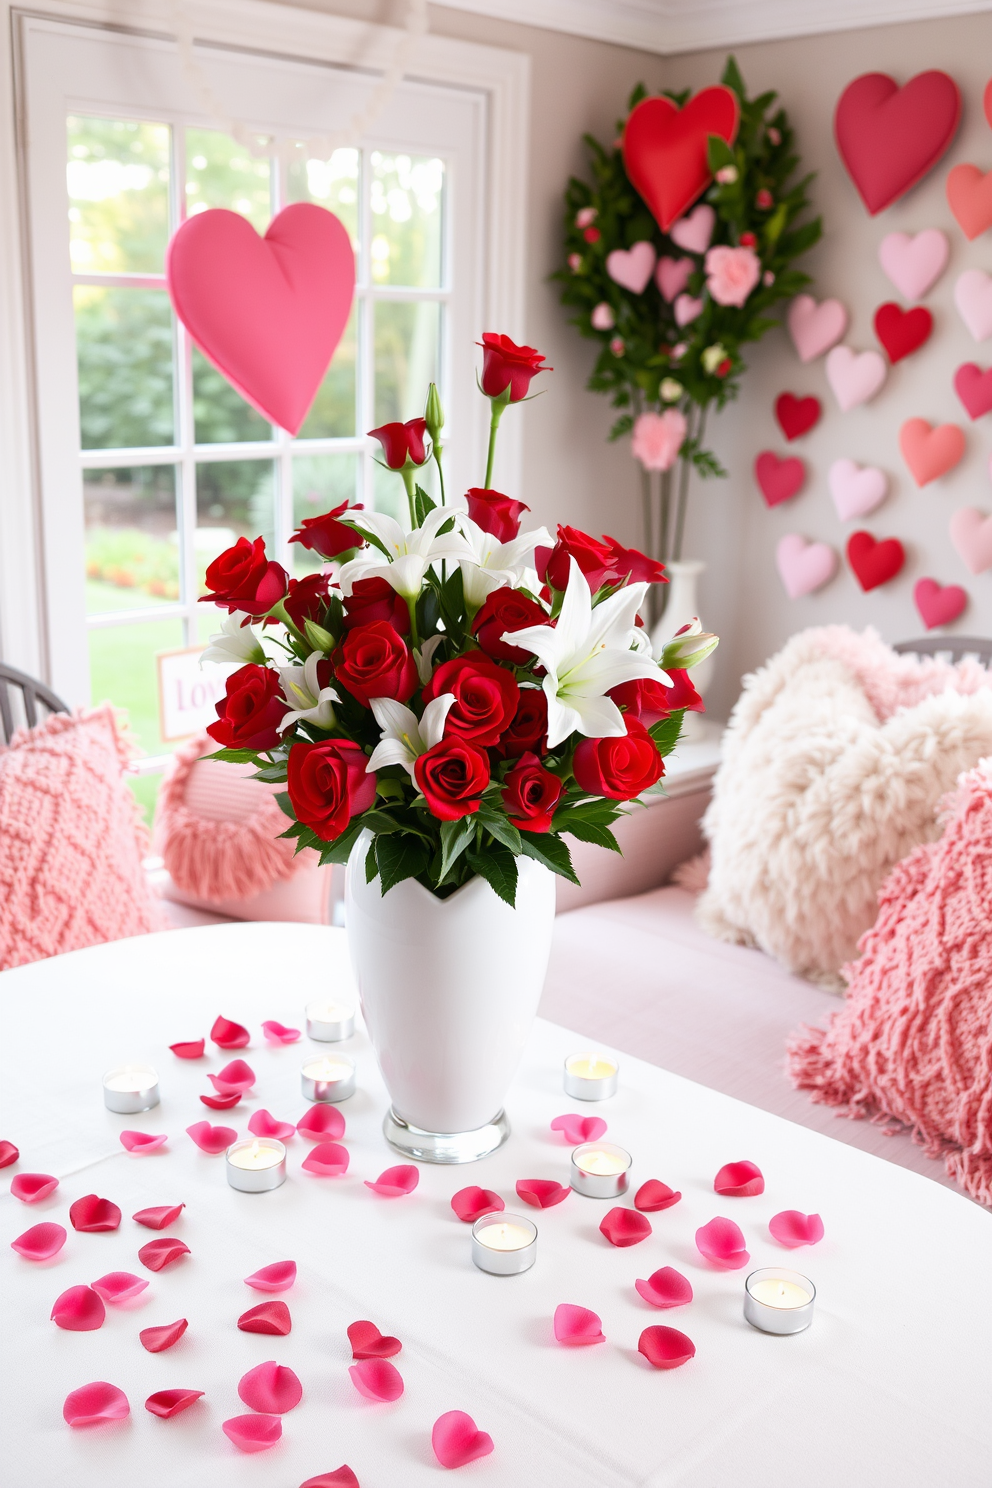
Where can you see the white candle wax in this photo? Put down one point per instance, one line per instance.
(256, 1165)
(131, 1079)
(601, 1162)
(590, 1066)
(328, 1079)
(130, 1088)
(326, 1069)
(257, 1155)
(600, 1170)
(504, 1236)
(778, 1301)
(329, 1012)
(504, 1244)
(590, 1077)
(774, 1292)
(329, 1022)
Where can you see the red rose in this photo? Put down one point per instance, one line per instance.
(402, 442)
(506, 365)
(495, 513)
(593, 556)
(307, 599)
(374, 661)
(242, 578)
(452, 777)
(326, 535)
(328, 785)
(631, 564)
(619, 768)
(506, 609)
(649, 701)
(250, 715)
(376, 599)
(529, 729)
(530, 794)
(485, 696)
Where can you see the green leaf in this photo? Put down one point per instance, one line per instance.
(498, 826)
(549, 850)
(236, 756)
(587, 831)
(732, 77)
(498, 867)
(381, 822)
(271, 774)
(422, 504)
(400, 857)
(718, 153)
(455, 837)
(339, 850)
(371, 866)
(666, 732)
(284, 804)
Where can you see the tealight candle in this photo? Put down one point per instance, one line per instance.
(590, 1077)
(329, 1022)
(130, 1088)
(504, 1244)
(256, 1165)
(778, 1301)
(326, 1079)
(600, 1170)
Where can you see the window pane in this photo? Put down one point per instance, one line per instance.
(406, 199)
(220, 414)
(124, 353)
(320, 482)
(118, 180)
(389, 492)
(234, 498)
(332, 414)
(123, 672)
(132, 550)
(221, 173)
(330, 183)
(407, 338)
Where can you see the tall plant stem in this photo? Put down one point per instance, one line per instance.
(684, 474)
(664, 507)
(409, 481)
(647, 515)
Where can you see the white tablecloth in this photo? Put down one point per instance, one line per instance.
(890, 1388)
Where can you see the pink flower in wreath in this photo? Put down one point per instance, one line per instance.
(602, 317)
(658, 438)
(731, 274)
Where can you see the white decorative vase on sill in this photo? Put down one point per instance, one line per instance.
(449, 990)
(681, 606)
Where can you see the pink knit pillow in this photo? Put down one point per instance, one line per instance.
(70, 840)
(914, 1039)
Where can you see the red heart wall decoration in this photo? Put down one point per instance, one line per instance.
(664, 148)
(969, 196)
(796, 416)
(974, 388)
(900, 331)
(778, 480)
(937, 605)
(874, 562)
(890, 137)
(267, 312)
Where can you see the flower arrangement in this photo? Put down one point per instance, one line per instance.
(462, 691)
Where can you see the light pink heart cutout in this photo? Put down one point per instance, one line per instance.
(695, 231)
(687, 308)
(815, 328)
(856, 489)
(632, 267)
(914, 263)
(672, 276)
(938, 605)
(930, 452)
(855, 377)
(973, 297)
(802, 566)
(971, 535)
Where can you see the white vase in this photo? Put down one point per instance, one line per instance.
(449, 989)
(682, 606)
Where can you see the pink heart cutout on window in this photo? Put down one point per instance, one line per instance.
(914, 264)
(856, 489)
(695, 231)
(778, 480)
(802, 566)
(687, 308)
(938, 605)
(815, 328)
(632, 268)
(930, 452)
(672, 276)
(854, 376)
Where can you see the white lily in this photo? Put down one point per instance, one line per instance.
(411, 554)
(405, 736)
(234, 643)
(585, 654)
(494, 564)
(306, 698)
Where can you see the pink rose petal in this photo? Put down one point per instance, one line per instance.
(579, 1129)
(654, 1195)
(322, 1121)
(368, 1343)
(193, 1049)
(40, 1242)
(270, 1388)
(665, 1288)
(542, 1193)
(91, 1215)
(79, 1310)
(93, 1403)
(158, 1254)
(327, 1160)
(157, 1340)
(8, 1154)
(253, 1433)
(236, 1077)
(228, 1035)
(278, 1033)
(456, 1439)
(166, 1403)
(267, 1317)
(275, 1278)
(376, 1379)
(159, 1218)
(395, 1182)
(739, 1180)
(30, 1188)
(341, 1477)
(141, 1142)
(577, 1325)
(221, 1102)
(212, 1139)
(625, 1227)
(472, 1203)
(264, 1124)
(722, 1243)
(118, 1286)
(665, 1348)
(793, 1228)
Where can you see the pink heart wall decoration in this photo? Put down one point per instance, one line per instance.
(974, 388)
(973, 297)
(971, 535)
(803, 566)
(969, 196)
(815, 328)
(914, 264)
(632, 267)
(856, 489)
(778, 480)
(855, 378)
(938, 606)
(693, 233)
(672, 276)
(930, 452)
(267, 312)
(890, 137)
(686, 309)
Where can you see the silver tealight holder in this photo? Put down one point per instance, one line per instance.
(778, 1301)
(600, 1170)
(504, 1244)
(256, 1165)
(590, 1077)
(328, 1077)
(329, 1022)
(130, 1088)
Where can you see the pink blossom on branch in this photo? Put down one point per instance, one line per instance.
(658, 437)
(731, 274)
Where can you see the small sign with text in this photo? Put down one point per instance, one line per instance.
(187, 695)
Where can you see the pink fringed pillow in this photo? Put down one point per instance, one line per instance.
(914, 1039)
(70, 840)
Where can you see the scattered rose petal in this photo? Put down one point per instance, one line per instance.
(739, 1180)
(665, 1288)
(264, 1124)
(30, 1188)
(341, 1477)
(275, 1278)
(158, 1254)
(542, 1193)
(118, 1286)
(166, 1403)
(665, 1348)
(327, 1160)
(91, 1215)
(278, 1033)
(368, 1343)
(579, 1129)
(159, 1218)
(8, 1154)
(228, 1035)
(456, 1439)
(322, 1120)
(93, 1403)
(141, 1142)
(793, 1228)
(193, 1049)
(577, 1325)
(654, 1195)
(267, 1317)
(79, 1310)
(270, 1388)
(376, 1379)
(472, 1203)
(234, 1078)
(625, 1227)
(157, 1340)
(722, 1242)
(395, 1182)
(221, 1102)
(253, 1433)
(212, 1139)
(40, 1242)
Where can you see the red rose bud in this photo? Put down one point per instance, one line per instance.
(495, 513)
(506, 610)
(529, 729)
(402, 442)
(764, 201)
(748, 240)
(307, 599)
(594, 557)
(452, 777)
(486, 696)
(592, 234)
(326, 535)
(506, 365)
(376, 599)
(374, 661)
(649, 701)
(328, 785)
(242, 578)
(530, 795)
(619, 768)
(250, 714)
(724, 367)
(635, 566)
